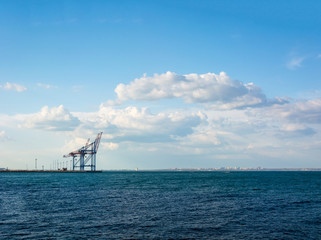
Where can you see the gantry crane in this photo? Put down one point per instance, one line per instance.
(85, 156)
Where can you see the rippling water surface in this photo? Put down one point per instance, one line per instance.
(161, 205)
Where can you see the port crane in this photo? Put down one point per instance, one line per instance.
(85, 156)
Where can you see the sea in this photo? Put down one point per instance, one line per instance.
(160, 205)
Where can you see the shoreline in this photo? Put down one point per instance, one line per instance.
(48, 171)
(169, 170)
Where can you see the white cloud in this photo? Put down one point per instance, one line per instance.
(296, 130)
(139, 124)
(73, 144)
(224, 127)
(216, 133)
(193, 88)
(13, 87)
(3, 136)
(303, 111)
(221, 127)
(295, 63)
(47, 86)
(8, 121)
(54, 119)
(110, 145)
(293, 127)
(201, 138)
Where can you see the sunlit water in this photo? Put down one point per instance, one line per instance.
(161, 205)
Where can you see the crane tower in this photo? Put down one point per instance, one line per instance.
(85, 156)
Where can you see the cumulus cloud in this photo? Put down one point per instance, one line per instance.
(303, 111)
(201, 138)
(14, 87)
(139, 124)
(193, 88)
(231, 120)
(53, 119)
(250, 133)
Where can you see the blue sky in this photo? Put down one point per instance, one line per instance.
(170, 83)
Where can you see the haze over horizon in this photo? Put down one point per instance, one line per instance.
(171, 84)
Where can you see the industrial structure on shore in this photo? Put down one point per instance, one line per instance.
(85, 157)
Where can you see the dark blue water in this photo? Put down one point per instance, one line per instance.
(161, 205)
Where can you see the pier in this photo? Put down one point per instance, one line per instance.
(48, 171)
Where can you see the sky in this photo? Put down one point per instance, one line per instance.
(171, 84)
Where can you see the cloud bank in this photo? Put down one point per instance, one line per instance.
(139, 124)
(219, 90)
(53, 119)
(222, 119)
(301, 111)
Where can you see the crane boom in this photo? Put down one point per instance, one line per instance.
(97, 141)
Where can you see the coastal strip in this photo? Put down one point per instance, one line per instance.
(47, 171)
